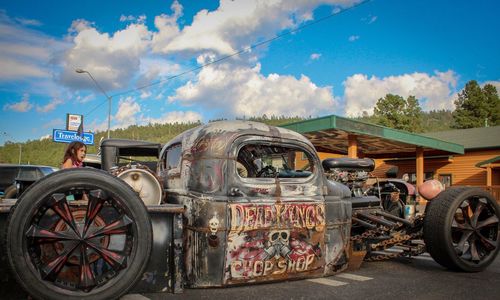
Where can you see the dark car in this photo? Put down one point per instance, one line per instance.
(23, 175)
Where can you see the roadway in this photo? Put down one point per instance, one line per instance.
(415, 278)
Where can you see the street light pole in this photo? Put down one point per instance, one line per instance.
(80, 71)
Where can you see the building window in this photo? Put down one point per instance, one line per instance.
(445, 179)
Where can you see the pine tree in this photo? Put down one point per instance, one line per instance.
(476, 107)
(396, 112)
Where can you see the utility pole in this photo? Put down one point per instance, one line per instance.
(81, 71)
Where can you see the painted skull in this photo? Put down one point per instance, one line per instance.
(279, 236)
(213, 224)
(278, 244)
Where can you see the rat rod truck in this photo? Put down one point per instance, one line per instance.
(229, 203)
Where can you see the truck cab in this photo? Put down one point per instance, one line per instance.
(257, 206)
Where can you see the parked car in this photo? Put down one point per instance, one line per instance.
(237, 209)
(14, 179)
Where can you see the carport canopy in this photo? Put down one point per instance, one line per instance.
(334, 134)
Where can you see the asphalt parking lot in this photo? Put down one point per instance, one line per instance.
(415, 278)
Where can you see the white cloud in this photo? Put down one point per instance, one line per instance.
(22, 106)
(233, 25)
(130, 18)
(154, 69)
(28, 22)
(176, 117)
(370, 19)
(124, 18)
(96, 126)
(49, 106)
(54, 123)
(16, 70)
(353, 38)
(145, 94)
(25, 52)
(434, 91)
(242, 91)
(127, 112)
(85, 99)
(167, 28)
(315, 56)
(112, 60)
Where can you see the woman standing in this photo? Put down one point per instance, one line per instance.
(74, 155)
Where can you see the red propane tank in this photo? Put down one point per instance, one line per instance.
(430, 189)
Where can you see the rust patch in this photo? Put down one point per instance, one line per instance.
(355, 259)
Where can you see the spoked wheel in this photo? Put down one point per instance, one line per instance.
(461, 229)
(78, 233)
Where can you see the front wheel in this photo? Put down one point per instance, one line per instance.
(78, 233)
(462, 229)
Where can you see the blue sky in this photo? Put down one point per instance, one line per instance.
(341, 66)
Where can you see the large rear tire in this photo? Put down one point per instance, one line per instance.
(461, 229)
(78, 233)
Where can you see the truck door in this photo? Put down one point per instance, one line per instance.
(275, 212)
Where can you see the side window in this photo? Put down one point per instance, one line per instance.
(445, 179)
(173, 157)
(269, 161)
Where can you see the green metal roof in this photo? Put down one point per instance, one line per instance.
(471, 138)
(488, 161)
(329, 134)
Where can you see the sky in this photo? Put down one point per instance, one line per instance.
(157, 61)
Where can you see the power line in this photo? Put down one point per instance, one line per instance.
(276, 37)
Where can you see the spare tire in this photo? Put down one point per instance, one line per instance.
(462, 229)
(78, 233)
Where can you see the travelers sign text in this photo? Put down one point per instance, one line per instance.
(68, 136)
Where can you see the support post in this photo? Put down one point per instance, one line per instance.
(420, 166)
(421, 202)
(489, 175)
(352, 150)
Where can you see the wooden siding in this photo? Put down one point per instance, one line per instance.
(461, 167)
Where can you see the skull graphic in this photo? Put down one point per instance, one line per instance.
(213, 225)
(278, 244)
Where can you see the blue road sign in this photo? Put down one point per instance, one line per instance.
(68, 136)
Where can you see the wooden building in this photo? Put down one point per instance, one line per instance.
(457, 157)
(478, 166)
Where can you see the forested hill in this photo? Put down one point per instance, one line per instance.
(47, 152)
(435, 120)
